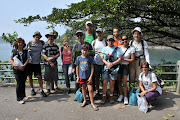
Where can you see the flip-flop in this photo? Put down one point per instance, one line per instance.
(83, 104)
(95, 107)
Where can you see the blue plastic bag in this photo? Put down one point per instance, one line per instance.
(78, 96)
(133, 97)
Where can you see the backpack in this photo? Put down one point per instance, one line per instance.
(160, 82)
(142, 43)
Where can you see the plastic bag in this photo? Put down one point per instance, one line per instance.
(133, 97)
(17, 61)
(142, 103)
(70, 70)
(78, 96)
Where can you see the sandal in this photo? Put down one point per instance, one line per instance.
(95, 107)
(83, 104)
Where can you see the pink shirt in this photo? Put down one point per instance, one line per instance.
(66, 56)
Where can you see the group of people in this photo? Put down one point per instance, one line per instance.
(93, 58)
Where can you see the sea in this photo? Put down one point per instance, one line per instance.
(156, 55)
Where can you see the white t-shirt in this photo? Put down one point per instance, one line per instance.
(148, 83)
(99, 45)
(138, 47)
(127, 55)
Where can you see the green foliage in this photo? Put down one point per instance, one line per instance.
(159, 19)
(10, 38)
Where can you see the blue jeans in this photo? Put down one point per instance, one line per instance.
(65, 70)
(20, 87)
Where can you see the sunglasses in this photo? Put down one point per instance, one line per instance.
(124, 39)
(144, 67)
(111, 40)
(79, 35)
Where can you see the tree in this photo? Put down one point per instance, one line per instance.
(159, 19)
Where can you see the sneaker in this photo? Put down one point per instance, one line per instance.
(120, 98)
(151, 107)
(33, 92)
(43, 94)
(25, 98)
(21, 102)
(111, 99)
(68, 91)
(48, 91)
(125, 100)
(103, 101)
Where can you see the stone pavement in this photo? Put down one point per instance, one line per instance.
(61, 106)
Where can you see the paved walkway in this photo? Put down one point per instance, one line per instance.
(61, 106)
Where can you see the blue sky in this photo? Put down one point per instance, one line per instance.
(14, 9)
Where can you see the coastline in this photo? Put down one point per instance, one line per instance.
(159, 47)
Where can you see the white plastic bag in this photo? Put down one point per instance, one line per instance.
(17, 61)
(70, 70)
(142, 103)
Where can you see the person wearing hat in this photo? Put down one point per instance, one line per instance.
(89, 34)
(141, 54)
(111, 57)
(98, 44)
(77, 51)
(51, 53)
(35, 47)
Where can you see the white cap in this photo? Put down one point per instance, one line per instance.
(88, 22)
(137, 29)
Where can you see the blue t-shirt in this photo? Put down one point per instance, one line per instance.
(84, 66)
(108, 51)
(28, 55)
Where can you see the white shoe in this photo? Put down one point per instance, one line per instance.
(120, 98)
(125, 100)
(151, 107)
(21, 102)
(25, 98)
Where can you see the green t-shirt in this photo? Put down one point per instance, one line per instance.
(89, 38)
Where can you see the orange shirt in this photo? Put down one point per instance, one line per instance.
(118, 42)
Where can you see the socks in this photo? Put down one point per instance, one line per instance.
(32, 88)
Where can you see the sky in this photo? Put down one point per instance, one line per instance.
(11, 10)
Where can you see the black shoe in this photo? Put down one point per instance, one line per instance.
(68, 91)
(33, 92)
(43, 94)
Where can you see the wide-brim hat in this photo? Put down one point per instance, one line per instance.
(51, 34)
(137, 29)
(37, 33)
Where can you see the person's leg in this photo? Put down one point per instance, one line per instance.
(84, 94)
(65, 70)
(151, 97)
(40, 82)
(125, 89)
(119, 78)
(105, 82)
(18, 87)
(132, 72)
(111, 90)
(138, 68)
(24, 76)
(30, 81)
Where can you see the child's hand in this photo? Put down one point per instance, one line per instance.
(77, 80)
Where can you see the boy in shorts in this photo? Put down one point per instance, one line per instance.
(84, 72)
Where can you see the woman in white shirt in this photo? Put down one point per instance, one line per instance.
(128, 56)
(149, 85)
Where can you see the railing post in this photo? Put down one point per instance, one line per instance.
(178, 78)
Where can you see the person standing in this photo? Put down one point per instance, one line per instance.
(66, 55)
(111, 56)
(84, 72)
(117, 38)
(127, 57)
(98, 44)
(141, 54)
(51, 53)
(77, 51)
(20, 68)
(89, 34)
(35, 47)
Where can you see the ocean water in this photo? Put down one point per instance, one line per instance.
(156, 55)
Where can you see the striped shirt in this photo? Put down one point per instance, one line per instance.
(50, 51)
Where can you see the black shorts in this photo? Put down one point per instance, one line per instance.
(124, 70)
(36, 68)
(98, 70)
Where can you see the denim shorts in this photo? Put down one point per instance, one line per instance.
(124, 69)
(107, 76)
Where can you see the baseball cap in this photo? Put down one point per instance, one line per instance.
(79, 31)
(88, 22)
(99, 29)
(110, 37)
